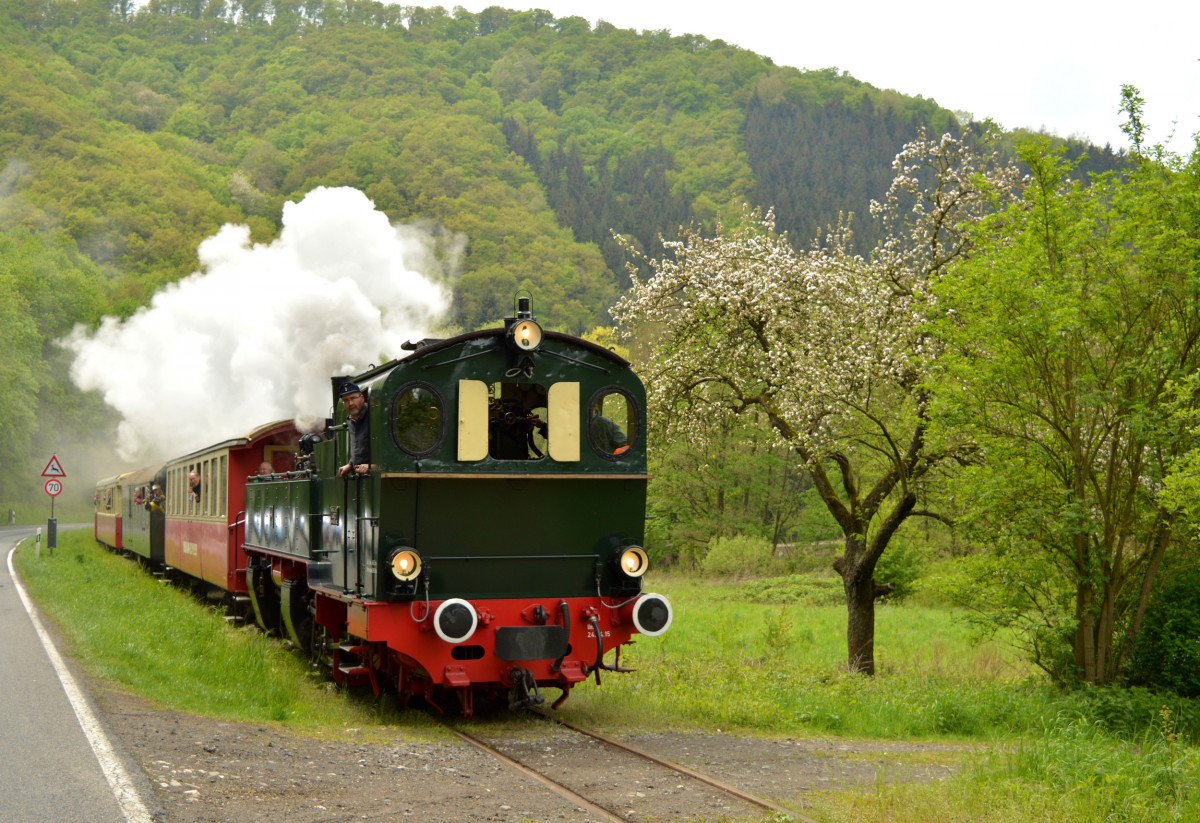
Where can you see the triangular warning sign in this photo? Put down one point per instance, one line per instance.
(54, 468)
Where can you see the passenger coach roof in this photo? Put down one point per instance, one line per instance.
(237, 442)
(115, 480)
(141, 476)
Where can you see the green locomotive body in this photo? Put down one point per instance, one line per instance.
(495, 542)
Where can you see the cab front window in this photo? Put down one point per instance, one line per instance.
(518, 421)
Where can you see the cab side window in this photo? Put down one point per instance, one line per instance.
(418, 419)
(612, 423)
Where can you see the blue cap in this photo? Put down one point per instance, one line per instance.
(348, 388)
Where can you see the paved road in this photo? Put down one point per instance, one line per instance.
(56, 762)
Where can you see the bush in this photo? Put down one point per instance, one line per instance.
(1129, 713)
(739, 556)
(902, 563)
(805, 590)
(1166, 653)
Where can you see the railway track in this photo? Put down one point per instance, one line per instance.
(615, 781)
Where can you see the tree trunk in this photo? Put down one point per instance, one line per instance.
(1161, 538)
(1085, 632)
(1105, 625)
(860, 624)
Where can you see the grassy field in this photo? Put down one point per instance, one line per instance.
(759, 657)
(160, 642)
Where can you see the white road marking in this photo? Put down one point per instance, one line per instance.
(118, 779)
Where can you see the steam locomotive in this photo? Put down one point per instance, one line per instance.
(493, 548)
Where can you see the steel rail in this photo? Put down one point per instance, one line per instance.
(684, 770)
(553, 785)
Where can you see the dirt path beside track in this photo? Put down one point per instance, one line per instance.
(206, 770)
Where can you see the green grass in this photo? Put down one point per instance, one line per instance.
(38, 514)
(159, 642)
(1073, 771)
(780, 669)
(763, 657)
(737, 663)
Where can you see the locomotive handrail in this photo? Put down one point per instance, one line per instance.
(291, 474)
(588, 558)
(239, 519)
(427, 366)
(573, 360)
(514, 476)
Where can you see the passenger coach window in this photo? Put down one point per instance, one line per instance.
(612, 423)
(219, 486)
(417, 419)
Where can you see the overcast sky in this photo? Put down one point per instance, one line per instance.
(1041, 64)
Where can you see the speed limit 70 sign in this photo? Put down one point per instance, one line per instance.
(54, 487)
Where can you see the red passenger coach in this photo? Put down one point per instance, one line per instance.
(206, 503)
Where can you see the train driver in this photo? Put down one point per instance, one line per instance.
(609, 437)
(355, 403)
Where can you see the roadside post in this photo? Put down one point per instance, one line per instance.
(54, 470)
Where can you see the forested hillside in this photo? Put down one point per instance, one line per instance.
(127, 137)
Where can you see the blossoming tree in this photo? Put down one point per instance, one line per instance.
(830, 345)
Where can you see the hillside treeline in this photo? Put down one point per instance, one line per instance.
(130, 135)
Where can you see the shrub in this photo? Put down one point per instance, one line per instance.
(902, 563)
(805, 590)
(1129, 713)
(1166, 653)
(738, 556)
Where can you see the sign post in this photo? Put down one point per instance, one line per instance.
(54, 487)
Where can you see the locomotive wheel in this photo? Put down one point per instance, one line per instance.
(265, 599)
(295, 604)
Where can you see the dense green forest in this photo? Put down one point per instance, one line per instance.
(130, 135)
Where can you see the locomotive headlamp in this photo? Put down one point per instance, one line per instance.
(525, 335)
(406, 564)
(455, 620)
(633, 561)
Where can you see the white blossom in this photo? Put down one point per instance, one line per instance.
(827, 342)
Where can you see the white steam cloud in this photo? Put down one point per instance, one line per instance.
(255, 335)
